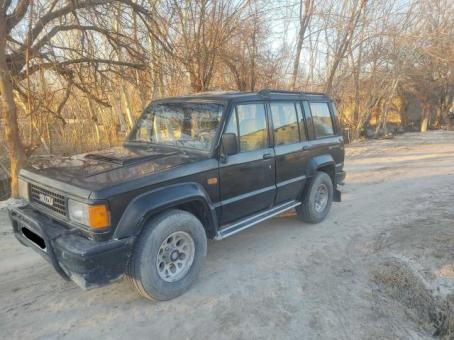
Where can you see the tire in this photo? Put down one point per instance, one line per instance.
(309, 211)
(145, 268)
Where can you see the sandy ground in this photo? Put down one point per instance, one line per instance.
(282, 278)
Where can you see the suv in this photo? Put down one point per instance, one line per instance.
(194, 168)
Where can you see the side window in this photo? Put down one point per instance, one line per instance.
(285, 123)
(301, 122)
(253, 129)
(321, 118)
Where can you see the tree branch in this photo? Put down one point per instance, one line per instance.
(60, 66)
(74, 5)
(55, 30)
(47, 18)
(90, 95)
(5, 5)
(19, 12)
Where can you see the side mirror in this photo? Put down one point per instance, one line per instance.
(229, 144)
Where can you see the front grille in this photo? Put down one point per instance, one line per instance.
(48, 199)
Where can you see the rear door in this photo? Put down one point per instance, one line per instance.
(291, 148)
(247, 178)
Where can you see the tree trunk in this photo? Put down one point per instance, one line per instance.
(124, 95)
(424, 124)
(379, 123)
(345, 42)
(126, 104)
(438, 118)
(196, 85)
(424, 121)
(49, 137)
(425, 117)
(9, 114)
(403, 112)
(94, 118)
(305, 16)
(357, 85)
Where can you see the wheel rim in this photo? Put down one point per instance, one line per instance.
(321, 198)
(175, 256)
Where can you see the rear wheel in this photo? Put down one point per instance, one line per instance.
(168, 256)
(317, 201)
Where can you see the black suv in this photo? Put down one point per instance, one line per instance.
(194, 168)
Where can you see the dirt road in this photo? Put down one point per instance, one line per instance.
(380, 266)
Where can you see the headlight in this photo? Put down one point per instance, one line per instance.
(23, 189)
(95, 216)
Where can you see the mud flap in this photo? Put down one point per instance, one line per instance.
(337, 197)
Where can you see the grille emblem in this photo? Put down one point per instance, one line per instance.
(46, 199)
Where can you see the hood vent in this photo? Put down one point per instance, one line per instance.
(106, 159)
(127, 159)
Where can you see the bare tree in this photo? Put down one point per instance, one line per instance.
(24, 54)
(347, 32)
(74, 74)
(305, 14)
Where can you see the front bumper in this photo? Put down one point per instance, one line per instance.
(87, 262)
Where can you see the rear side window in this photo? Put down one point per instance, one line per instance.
(253, 128)
(321, 118)
(285, 123)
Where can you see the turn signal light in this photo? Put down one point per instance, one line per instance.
(95, 216)
(98, 216)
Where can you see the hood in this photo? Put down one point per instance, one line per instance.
(97, 170)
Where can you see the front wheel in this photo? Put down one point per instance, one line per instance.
(317, 201)
(168, 256)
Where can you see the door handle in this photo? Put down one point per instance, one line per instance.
(267, 156)
(307, 147)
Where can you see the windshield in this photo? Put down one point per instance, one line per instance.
(191, 125)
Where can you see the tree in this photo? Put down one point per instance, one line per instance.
(344, 37)
(75, 74)
(24, 52)
(204, 29)
(305, 14)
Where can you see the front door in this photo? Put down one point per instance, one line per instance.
(247, 178)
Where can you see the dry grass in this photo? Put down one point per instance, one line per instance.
(399, 282)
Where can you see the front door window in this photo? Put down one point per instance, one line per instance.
(252, 125)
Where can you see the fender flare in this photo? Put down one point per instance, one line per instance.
(320, 161)
(142, 207)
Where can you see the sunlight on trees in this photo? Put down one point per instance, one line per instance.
(74, 75)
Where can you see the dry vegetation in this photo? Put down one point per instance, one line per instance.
(74, 75)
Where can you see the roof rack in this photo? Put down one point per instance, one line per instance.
(267, 92)
(315, 93)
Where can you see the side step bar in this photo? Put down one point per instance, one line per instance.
(236, 227)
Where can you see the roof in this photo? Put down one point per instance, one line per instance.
(249, 96)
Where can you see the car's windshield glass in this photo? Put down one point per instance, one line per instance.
(191, 125)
